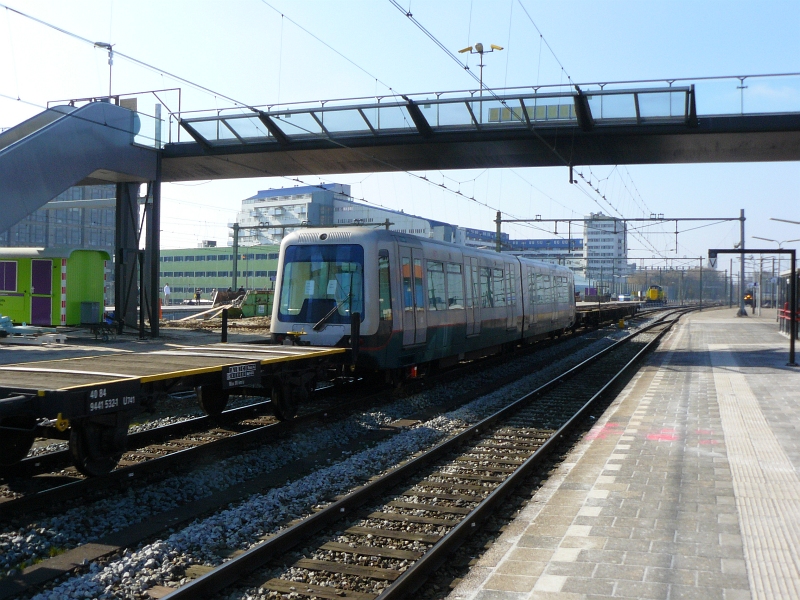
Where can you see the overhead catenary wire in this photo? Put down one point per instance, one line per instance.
(328, 46)
(117, 53)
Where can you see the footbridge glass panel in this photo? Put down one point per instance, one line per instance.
(589, 106)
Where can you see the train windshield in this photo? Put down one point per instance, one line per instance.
(318, 279)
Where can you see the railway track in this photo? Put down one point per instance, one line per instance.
(133, 535)
(386, 537)
(38, 481)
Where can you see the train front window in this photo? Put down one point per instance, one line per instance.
(317, 279)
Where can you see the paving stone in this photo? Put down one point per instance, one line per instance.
(639, 589)
(588, 585)
(510, 583)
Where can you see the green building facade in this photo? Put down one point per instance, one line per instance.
(207, 269)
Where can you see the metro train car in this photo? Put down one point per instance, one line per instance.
(415, 302)
(655, 295)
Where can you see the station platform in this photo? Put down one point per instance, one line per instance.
(686, 488)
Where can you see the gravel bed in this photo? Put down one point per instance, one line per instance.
(240, 526)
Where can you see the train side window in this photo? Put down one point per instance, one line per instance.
(540, 288)
(384, 286)
(547, 289)
(563, 291)
(408, 286)
(455, 286)
(512, 285)
(436, 289)
(487, 297)
(497, 287)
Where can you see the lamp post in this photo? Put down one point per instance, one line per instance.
(110, 48)
(478, 49)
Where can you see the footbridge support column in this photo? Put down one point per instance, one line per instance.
(126, 254)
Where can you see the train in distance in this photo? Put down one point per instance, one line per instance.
(655, 295)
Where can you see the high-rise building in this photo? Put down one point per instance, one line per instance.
(605, 246)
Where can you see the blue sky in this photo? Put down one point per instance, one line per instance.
(248, 51)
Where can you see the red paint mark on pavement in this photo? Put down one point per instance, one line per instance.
(601, 433)
(665, 435)
(706, 441)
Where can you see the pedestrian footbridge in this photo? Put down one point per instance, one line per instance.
(726, 119)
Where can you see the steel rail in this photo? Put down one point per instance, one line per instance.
(233, 570)
(417, 573)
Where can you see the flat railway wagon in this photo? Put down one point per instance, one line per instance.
(408, 303)
(90, 400)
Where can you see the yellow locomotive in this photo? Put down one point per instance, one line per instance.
(655, 295)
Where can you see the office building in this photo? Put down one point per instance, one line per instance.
(271, 214)
(80, 217)
(605, 247)
(210, 268)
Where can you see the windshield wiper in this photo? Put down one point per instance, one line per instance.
(321, 323)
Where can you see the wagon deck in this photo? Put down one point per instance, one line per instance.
(73, 374)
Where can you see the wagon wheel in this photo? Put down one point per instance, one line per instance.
(16, 438)
(212, 399)
(95, 448)
(284, 404)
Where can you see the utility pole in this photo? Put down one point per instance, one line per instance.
(742, 310)
(498, 221)
(730, 300)
(234, 287)
(701, 283)
(725, 289)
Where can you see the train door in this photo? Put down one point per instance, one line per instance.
(511, 295)
(41, 292)
(473, 302)
(414, 322)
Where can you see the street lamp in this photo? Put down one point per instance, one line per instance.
(110, 48)
(780, 244)
(478, 49)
